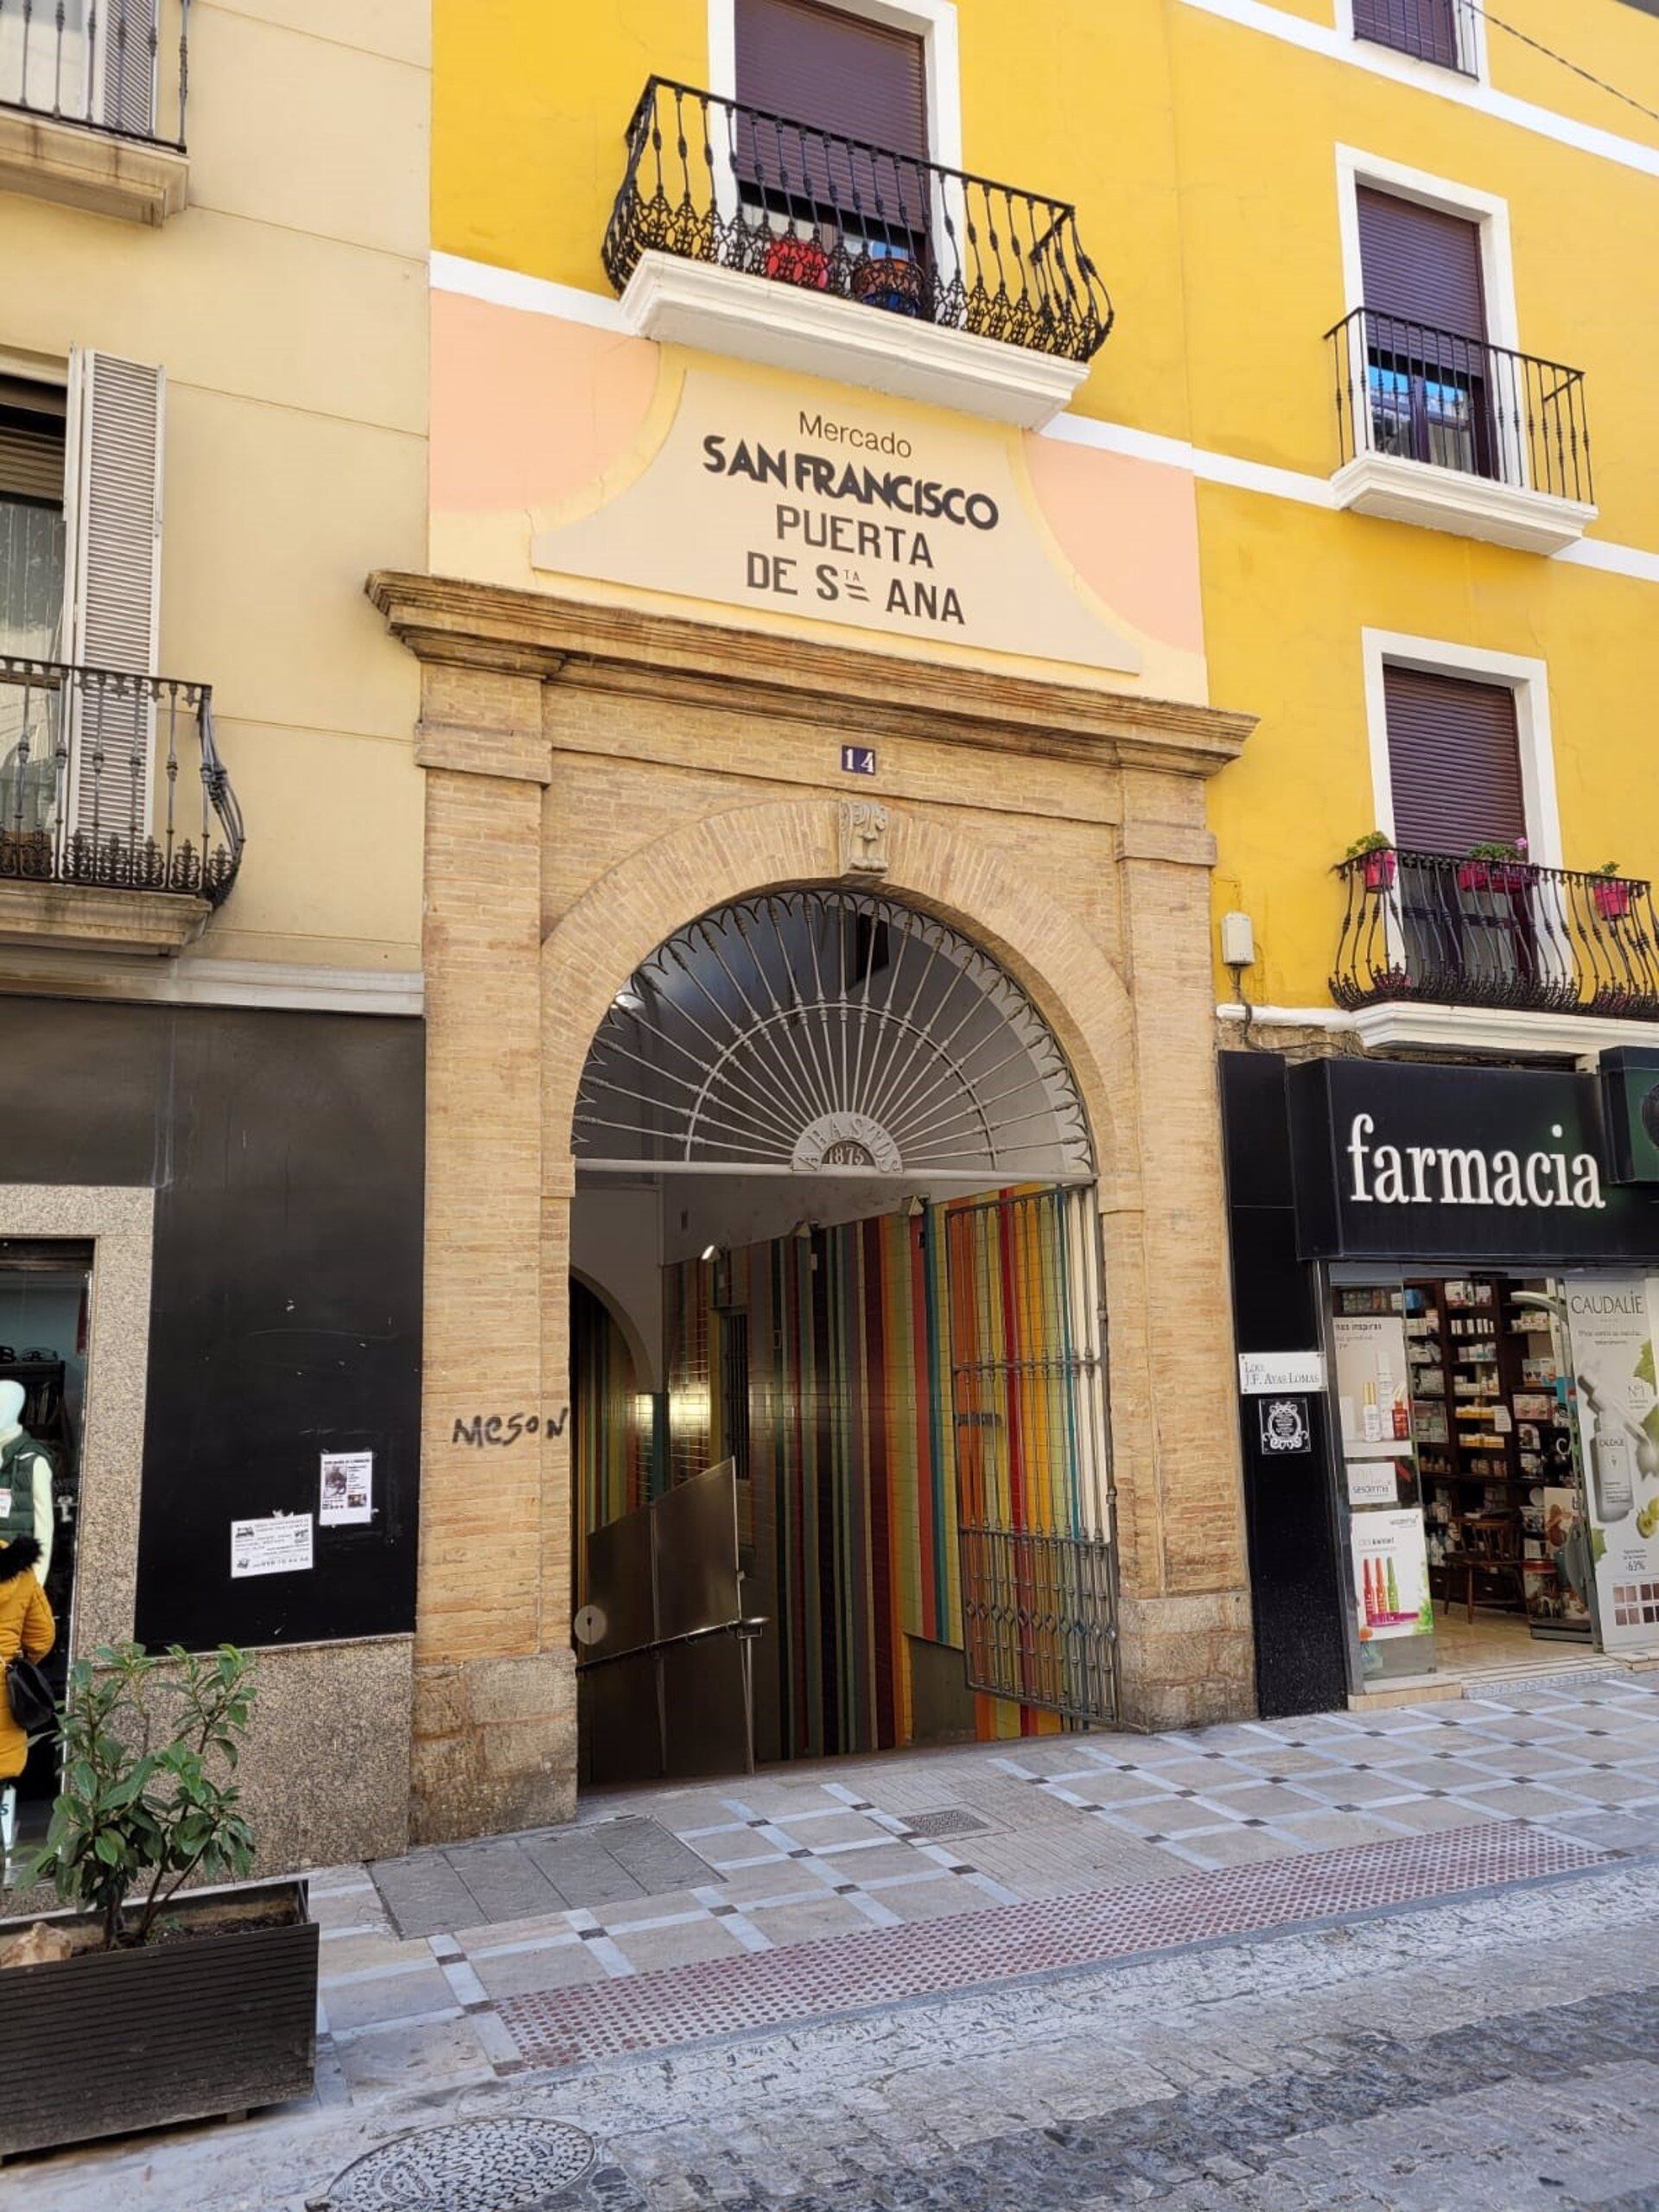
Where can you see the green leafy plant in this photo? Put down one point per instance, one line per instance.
(1372, 841)
(150, 1745)
(1608, 868)
(1499, 849)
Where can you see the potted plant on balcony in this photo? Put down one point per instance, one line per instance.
(796, 257)
(1386, 983)
(139, 2007)
(1612, 893)
(1378, 861)
(1499, 865)
(888, 277)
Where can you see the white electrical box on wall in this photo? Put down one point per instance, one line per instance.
(1237, 941)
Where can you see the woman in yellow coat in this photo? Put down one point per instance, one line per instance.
(26, 1626)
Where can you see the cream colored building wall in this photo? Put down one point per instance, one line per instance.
(288, 304)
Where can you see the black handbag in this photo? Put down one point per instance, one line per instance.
(33, 1706)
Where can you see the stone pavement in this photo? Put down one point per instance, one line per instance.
(1408, 1958)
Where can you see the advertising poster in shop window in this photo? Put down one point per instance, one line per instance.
(1610, 1324)
(1391, 1593)
(1372, 1385)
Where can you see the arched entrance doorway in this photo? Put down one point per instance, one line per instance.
(847, 1150)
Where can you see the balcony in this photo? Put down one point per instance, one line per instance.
(745, 233)
(1422, 933)
(119, 827)
(93, 99)
(1458, 434)
(1444, 32)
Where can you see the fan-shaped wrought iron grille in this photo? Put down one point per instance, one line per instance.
(827, 1032)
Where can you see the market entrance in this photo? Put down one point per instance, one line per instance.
(838, 1396)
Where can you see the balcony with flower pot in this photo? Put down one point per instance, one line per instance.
(1489, 946)
(750, 233)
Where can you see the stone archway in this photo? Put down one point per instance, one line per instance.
(621, 920)
(596, 777)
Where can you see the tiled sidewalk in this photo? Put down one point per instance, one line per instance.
(798, 1858)
(1013, 1942)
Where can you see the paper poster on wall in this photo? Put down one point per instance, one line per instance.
(1372, 1385)
(1610, 1320)
(348, 1481)
(281, 1545)
(1372, 1482)
(1390, 1575)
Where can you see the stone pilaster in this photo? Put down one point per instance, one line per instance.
(1184, 1630)
(494, 1721)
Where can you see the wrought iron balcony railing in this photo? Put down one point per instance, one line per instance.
(1445, 932)
(1433, 30)
(113, 782)
(708, 181)
(1408, 390)
(116, 66)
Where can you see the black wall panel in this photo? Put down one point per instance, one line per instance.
(1301, 1659)
(286, 1153)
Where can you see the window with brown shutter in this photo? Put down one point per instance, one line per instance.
(1428, 368)
(1421, 263)
(842, 79)
(1454, 762)
(819, 65)
(1428, 28)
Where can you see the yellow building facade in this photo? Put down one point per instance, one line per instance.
(214, 421)
(733, 302)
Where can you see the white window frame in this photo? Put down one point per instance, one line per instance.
(1528, 679)
(1432, 74)
(933, 21)
(1488, 211)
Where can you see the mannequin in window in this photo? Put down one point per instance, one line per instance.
(25, 1480)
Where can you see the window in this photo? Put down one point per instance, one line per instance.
(1454, 762)
(31, 518)
(79, 582)
(845, 177)
(1471, 926)
(1429, 366)
(31, 603)
(1433, 30)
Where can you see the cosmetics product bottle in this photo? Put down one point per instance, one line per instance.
(1371, 1416)
(1610, 1469)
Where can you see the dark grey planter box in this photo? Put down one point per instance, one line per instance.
(212, 2023)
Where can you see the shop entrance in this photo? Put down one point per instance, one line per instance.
(838, 1388)
(45, 1286)
(1492, 1430)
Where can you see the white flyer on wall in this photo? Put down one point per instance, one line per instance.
(282, 1545)
(347, 1488)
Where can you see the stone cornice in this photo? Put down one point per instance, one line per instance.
(849, 687)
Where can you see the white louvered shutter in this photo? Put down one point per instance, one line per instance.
(112, 498)
(126, 71)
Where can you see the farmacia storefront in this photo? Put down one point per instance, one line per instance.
(1447, 1289)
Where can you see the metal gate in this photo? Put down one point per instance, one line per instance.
(1034, 1477)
